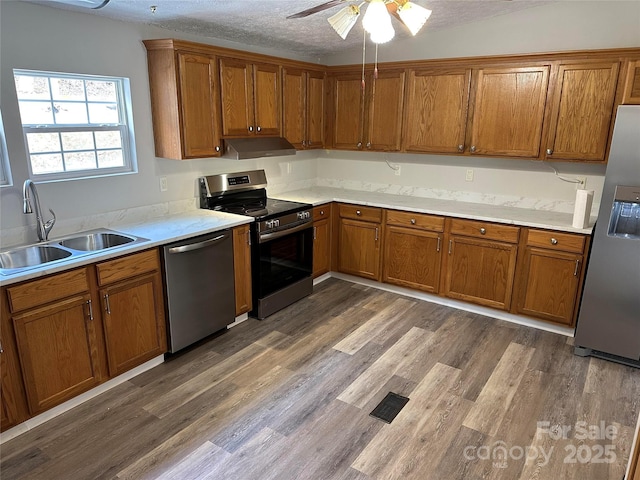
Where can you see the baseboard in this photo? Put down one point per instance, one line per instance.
(460, 305)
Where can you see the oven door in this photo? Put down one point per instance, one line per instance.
(281, 259)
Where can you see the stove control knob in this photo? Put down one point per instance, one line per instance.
(269, 223)
(276, 222)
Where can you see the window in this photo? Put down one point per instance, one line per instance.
(5, 172)
(75, 126)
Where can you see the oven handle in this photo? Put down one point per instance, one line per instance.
(197, 246)
(272, 236)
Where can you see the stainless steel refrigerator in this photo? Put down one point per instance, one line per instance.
(609, 317)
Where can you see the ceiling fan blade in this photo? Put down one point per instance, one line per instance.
(316, 9)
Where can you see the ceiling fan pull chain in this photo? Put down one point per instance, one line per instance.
(375, 66)
(362, 99)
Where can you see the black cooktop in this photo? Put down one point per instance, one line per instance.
(253, 204)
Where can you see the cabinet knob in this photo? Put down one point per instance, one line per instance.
(472, 149)
(251, 128)
(461, 148)
(554, 241)
(368, 144)
(359, 145)
(259, 129)
(321, 212)
(217, 148)
(549, 151)
(483, 230)
(358, 212)
(413, 221)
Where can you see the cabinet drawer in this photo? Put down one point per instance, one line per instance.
(127, 267)
(565, 242)
(322, 211)
(49, 289)
(368, 214)
(415, 220)
(492, 231)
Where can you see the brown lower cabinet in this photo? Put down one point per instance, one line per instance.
(66, 333)
(550, 275)
(321, 239)
(359, 239)
(242, 268)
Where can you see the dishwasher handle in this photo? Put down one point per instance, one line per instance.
(197, 246)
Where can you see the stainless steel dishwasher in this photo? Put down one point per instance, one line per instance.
(199, 287)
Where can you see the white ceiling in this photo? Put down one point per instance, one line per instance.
(264, 23)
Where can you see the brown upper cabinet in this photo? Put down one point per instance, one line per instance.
(251, 98)
(508, 111)
(303, 107)
(184, 102)
(581, 110)
(631, 94)
(369, 118)
(435, 116)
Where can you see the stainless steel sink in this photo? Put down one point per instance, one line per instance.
(96, 241)
(17, 259)
(31, 256)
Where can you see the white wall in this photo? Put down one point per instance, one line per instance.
(44, 38)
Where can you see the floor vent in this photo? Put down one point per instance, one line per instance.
(389, 407)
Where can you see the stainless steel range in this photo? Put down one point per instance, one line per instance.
(281, 237)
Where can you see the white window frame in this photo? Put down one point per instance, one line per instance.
(124, 126)
(5, 167)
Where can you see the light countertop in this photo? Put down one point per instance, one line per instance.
(158, 231)
(474, 211)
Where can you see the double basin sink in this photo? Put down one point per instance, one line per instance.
(18, 259)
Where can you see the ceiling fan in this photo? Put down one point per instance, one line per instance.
(377, 16)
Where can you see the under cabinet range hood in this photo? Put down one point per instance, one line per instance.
(256, 147)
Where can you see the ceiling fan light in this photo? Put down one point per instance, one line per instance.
(343, 21)
(413, 16)
(383, 34)
(376, 17)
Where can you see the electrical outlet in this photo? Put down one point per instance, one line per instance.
(583, 183)
(469, 175)
(163, 184)
(397, 169)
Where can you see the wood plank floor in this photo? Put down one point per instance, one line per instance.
(289, 398)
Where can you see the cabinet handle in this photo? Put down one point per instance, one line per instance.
(1, 348)
(309, 143)
(107, 307)
(483, 231)
(358, 212)
(376, 239)
(461, 148)
(368, 144)
(413, 221)
(554, 241)
(90, 310)
(217, 148)
(259, 129)
(473, 149)
(549, 151)
(438, 246)
(359, 145)
(249, 237)
(314, 232)
(304, 143)
(450, 246)
(575, 272)
(251, 128)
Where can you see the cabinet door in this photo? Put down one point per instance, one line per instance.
(508, 111)
(242, 268)
(581, 111)
(480, 271)
(359, 248)
(384, 122)
(200, 106)
(348, 114)
(236, 96)
(436, 111)
(133, 319)
(293, 110)
(58, 352)
(315, 111)
(549, 285)
(321, 247)
(412, 258)
(267, 99)
(631, 94)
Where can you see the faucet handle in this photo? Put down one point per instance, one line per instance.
(48, 225)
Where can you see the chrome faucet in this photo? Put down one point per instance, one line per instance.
(43, 228)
